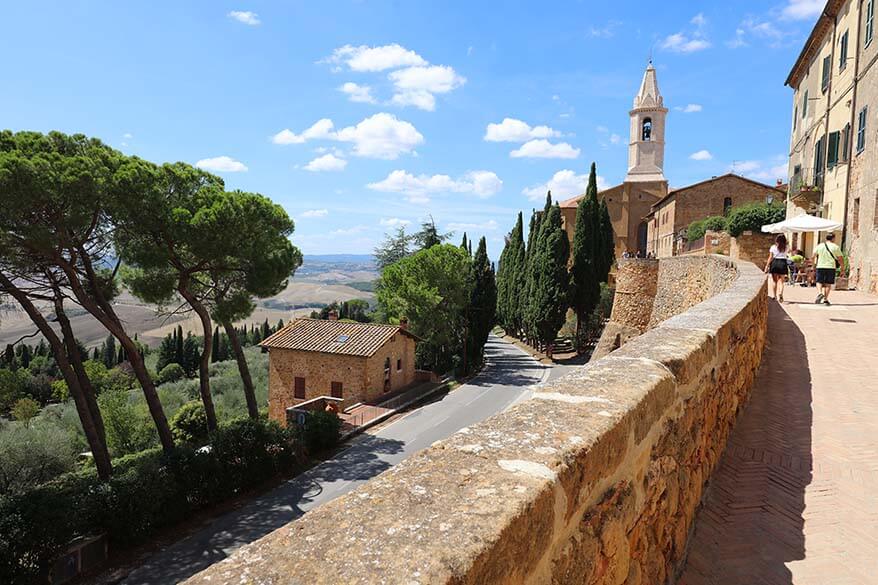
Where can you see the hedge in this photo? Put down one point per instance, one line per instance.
(752, 216)
(148, 491)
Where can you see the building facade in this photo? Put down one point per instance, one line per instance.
(670, 217)
(645, 183)
(356, 362)
(833, 152)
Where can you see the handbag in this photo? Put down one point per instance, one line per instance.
(834, 257)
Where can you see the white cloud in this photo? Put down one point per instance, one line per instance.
(689, 108)
(513, 130)
(128, 135)
(394, 222)
(615, 139)
(372, 59)
(604, 32)
(349, 231)
(680, 43)
(768, 171)
(545, 149)
(744, 167)
(755, 28)
(221, 164)
(563, 184)
(701, 155)
(803, 9)
(489, 225)
(415, 86)
(245, 17)
(315, 213)
(483, 184)
(699, 20)
(327, 162)
(379, 136)
(321, 129)
(358, 93)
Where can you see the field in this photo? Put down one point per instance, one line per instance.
(320, 281)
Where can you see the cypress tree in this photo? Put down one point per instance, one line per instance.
(463, 243)
(120, 355)
(109, 352)
(266, 329)
(96, 354)
(524, 295)
(167, 352)
(215, 346)
(9, 357)
(280, 325)
(178, 345)
(483, 303)
(191, 355)
(549, 294)
(608, 243)
(588, 259)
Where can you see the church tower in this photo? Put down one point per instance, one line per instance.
(646, 148)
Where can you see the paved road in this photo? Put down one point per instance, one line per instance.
(506, 380)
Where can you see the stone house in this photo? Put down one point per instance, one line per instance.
(671, 215)
(357, 362)
(833, 152)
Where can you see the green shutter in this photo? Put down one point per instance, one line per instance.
(832, 152)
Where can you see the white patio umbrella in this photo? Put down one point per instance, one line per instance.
(802, 223)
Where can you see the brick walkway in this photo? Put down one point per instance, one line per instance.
(795, 497)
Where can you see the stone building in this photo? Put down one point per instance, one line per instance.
(357, 362)
(833, 152)
(645, 183)
(671, 215)
(641, 226)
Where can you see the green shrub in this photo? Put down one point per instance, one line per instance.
(128, 425)
(171, 373)
(25, 409)
(320, 431)
(11, 388)
(715, 223)
(149, 490)
(752, 216)
(695, 230)
(32, 455)
(189, 424)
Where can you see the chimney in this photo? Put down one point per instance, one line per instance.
(333, 315)
(780, 182)
(404, 323)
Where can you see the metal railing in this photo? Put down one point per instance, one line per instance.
(806, 182)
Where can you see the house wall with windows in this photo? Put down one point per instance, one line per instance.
(834, 137)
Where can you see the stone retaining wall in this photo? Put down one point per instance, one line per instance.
(595, 480)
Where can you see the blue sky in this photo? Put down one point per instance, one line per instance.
(358, 116)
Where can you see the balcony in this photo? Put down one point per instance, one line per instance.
(806, 185)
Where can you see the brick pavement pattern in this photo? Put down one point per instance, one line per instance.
(795, 497)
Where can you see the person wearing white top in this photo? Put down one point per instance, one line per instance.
(776, 265)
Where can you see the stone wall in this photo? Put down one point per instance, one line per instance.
(595, 480)
(751, 247)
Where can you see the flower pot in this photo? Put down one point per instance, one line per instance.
(841, 283)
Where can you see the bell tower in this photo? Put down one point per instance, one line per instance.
(646, 148)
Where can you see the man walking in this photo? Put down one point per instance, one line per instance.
(827, 258)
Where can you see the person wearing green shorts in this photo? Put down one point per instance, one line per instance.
(827, 258)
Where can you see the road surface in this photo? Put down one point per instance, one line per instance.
(505, 380)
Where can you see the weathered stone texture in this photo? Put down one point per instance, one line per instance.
(596, 480)
(751, 247)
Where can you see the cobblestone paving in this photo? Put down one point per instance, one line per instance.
(795, 497)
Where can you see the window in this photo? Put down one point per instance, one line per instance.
(827, 71)
(336, 390)
(861, 130)
(843, 52)
(727, 205)
(795, 117)
(647, 129)
(855, 217)
(398, 365)
(805, 105)
(846, 143)
(299, 387)
(386, 365)
(870, 21)
(819, 153)
(832, 150)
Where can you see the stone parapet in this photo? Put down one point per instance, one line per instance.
(594, 480)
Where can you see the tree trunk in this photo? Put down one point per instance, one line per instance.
(76, 363)
(249, 394)
(96, 438)
(103, 312)
(204, 362)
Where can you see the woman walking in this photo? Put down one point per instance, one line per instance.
(776, 265)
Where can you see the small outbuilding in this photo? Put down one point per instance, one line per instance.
(356, 362)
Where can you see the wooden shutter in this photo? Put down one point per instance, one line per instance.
(299, 387)
(337, 390)
(832, 151)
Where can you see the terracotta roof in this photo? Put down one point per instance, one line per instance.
(339, 337)
(672, 192)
